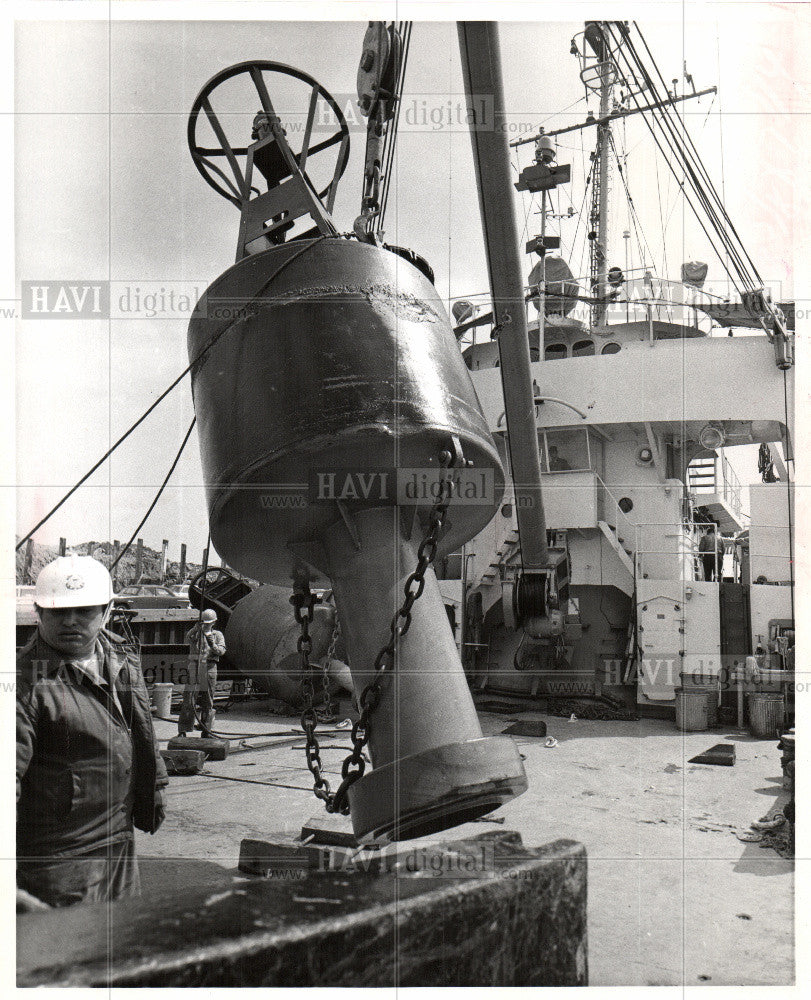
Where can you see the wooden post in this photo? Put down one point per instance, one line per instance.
(116, 550)
(182, 569)
(29, 558)
(139, 560)
(163, 559)
(62, 546)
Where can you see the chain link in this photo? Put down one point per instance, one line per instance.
(354, 764)
(304, 601)
(329, 707)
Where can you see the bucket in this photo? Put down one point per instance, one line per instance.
(766, 714)
(691, 710)
(162, 699)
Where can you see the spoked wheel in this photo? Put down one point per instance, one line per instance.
(302, 107)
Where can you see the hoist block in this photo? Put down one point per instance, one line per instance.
(334, 366)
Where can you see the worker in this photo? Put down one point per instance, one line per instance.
(88, 768)
(557, 463)
(742, 553)
(711, 547)
(206, 646)
(754, 667)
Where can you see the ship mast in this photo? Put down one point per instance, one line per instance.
(601, 77)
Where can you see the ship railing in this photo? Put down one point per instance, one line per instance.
(715, 476)
(616, 518)
(731, 486)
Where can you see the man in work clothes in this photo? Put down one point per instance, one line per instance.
(206, 646)
(88, 768)
(711, 547)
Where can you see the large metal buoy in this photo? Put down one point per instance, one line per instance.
(334, 358)
(327, 385)
(261, 638)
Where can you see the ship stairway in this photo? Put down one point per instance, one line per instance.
(489, 583)
(713, 485)
(619, 545)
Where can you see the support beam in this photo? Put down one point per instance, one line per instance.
(778, 462)
(481, 67)
(653, 444)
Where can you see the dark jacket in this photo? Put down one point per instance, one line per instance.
(212, 648)
(88, 766)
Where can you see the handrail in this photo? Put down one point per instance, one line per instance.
(548, 399)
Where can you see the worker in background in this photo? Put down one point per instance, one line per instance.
(754, 667)
(206, 646)
(557, 463)
(711, 548)
(88, 768)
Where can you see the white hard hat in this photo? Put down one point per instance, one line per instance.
(209, 615)
(73, 582)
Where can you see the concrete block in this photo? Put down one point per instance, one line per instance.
(494, 913)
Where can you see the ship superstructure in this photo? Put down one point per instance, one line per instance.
(642, 386)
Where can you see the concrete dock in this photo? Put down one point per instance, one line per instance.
(674, 898)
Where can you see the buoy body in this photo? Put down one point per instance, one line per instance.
(335, 361)
(332, 380)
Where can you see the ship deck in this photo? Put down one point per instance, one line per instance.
(674, 898)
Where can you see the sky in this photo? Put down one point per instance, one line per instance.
(105, 189)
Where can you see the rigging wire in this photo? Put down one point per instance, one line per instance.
(157, 497)
(720, 115)
(390, 140)
(638, 228)
(671, 140)
(666, 141)
(708, 180)
(683, 149)
(197, 358)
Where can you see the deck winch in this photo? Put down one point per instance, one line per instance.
(327, 381)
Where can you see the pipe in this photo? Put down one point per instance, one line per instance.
(481, 67)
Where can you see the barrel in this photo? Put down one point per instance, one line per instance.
(691, 710)
(332, 368)
(766, 714)
(162, 699)
(691, 682)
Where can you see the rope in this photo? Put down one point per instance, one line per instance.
(157, 496)
(166, 392)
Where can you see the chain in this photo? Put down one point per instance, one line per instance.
(329, 708)
(304, 601)
(354, 764)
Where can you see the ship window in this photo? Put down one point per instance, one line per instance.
(565, 450)
(610, 349)
(626, 505)
(583, 349)
(554, 351)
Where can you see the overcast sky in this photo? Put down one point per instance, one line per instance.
(106, 190)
